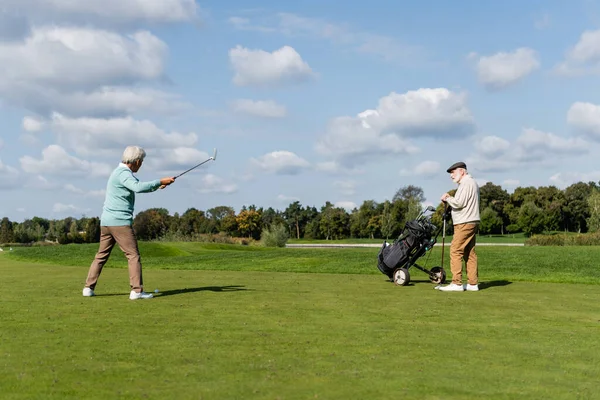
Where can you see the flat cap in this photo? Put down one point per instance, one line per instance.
(459, 164)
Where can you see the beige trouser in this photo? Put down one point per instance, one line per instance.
(125, 238)
(463, 247)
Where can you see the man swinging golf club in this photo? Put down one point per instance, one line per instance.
(465, 218)
(116, 221)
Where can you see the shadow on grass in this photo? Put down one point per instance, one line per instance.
(487, 285)
(230, 288)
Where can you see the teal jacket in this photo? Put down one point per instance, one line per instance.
(120, 196)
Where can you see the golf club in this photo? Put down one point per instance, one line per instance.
(213, 158)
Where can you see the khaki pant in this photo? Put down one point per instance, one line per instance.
(463, 247)
(125, 238)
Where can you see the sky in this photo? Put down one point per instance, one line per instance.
(310, 101)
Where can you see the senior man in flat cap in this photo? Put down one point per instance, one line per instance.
(465, 217)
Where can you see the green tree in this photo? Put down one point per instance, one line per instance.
(293, 217)
(531, 218)
(387, 220)
(6, 231)
(248, 223)
(151, 224)
(490, 221)
(593, 221)
(92, 230)
(494, 196)
(576, 206)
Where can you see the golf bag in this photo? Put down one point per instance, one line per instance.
(417, 237)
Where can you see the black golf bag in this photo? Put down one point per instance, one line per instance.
(418, 237)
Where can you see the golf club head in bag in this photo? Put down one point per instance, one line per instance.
(212, 158)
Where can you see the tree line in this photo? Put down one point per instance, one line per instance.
(529, 210)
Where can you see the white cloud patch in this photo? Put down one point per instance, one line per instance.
(214, 184)
(504, 69)
(532, 148)
(585, 118)
(69, 209)
(261, 68)
(346, 187)
(565, 179)
(259, 108)
(286, 199)
(281, 163)
(584, 57)
(492, 146)
(425, 169)
(31, 124)
(385, 130)
(107, 11)
(346, 205)
(511, 183)
(56, 161)
(83, 68)
(86, 193)
(296, 26)
(88, 136)
(9, 176)
(543, 21)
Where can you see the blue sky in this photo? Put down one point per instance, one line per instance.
(312, 101)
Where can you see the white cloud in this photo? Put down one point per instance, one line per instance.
(492, 146)
(543, 21)
(31, 124)
(384, 130)
(565, 179)
(335, 168)
(346, 187)
(70, 209)
(88, 136)
(286, 199)
(86, 193)
(584, 57)
(261, 68)
(585, 118)
(535, 141)
(56, 161)
(213, 184)
(177, 159)
(281, 163)
(9, 176)
(76, 63)
(113, 11)
(293, 25)
(504, 69)
(347, 205)
(511, 183)
(425, 169)
(532, 148)
(260, 108)
(109, 101)
(422, 112)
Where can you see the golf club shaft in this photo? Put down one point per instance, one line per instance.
(194, 167)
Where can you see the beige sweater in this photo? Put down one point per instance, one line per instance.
(465, 202)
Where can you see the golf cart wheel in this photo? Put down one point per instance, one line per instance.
(401, 277)
(437, 275)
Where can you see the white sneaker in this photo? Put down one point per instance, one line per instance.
(471, 288)
(453, 287)
(87, 292)
(141, 295)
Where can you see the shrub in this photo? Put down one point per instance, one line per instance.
(274, 236)
(589, 239)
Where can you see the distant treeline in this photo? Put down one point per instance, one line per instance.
(528, 209)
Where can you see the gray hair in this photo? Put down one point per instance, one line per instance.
(133, 154)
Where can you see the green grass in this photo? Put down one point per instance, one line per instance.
(509, 238)
(572, 264)
(235, 322)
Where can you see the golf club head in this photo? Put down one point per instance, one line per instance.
(430, 208)
(214, 157)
